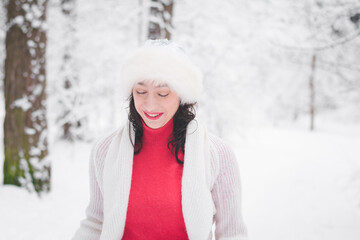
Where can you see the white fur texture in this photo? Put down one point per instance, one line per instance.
(164, 64)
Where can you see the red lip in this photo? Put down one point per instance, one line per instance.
(152, 112)
(153, 118)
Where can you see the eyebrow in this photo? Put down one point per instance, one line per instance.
(159, 86)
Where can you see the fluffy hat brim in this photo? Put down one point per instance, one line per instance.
(164, 65)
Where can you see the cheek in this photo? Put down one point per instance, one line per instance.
(137, 102)
(173, 106)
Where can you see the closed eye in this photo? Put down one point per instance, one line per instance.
(163, 95)
(140, 92)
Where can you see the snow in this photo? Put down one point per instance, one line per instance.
(301, 185)
(35, 151)
(256, 57)
(296, 185)
(23, 103)
(37, 90)
(29, 131)
(35, 23)
(18, 20)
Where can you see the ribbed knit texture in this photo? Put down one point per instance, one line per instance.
(154, 211)
(225, 192)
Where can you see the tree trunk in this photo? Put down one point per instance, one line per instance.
(161, 13)
(141, 22)
(25, 127)
(69, 119)
(312, 92)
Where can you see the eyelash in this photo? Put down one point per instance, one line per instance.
(158, 94)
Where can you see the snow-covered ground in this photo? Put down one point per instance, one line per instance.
(296, 185)
(301, 185)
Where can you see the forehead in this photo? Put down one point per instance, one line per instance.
(156, 85)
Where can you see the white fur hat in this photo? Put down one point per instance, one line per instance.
(164, 62)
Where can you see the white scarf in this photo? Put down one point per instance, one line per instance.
(197, 204)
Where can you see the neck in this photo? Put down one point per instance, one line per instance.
(159, 136)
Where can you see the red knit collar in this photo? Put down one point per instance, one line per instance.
(158, 136)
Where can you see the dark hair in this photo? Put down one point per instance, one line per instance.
(182, 117)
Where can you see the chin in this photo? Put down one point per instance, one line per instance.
(151, 125)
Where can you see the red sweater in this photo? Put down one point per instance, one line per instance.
(154, 211)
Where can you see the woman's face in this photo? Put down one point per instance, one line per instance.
(155, 104)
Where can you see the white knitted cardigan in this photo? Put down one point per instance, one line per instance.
(211, 190)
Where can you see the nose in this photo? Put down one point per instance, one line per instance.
(150, 102)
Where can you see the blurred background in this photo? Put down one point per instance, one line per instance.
(281, 87)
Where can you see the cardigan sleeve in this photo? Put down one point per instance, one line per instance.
(226, 194)
(91, 226)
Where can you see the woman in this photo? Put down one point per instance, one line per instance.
(162, 175)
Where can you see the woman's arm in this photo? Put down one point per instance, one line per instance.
(91, 226)
(226, 193)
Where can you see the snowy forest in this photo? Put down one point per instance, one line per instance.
(281, 87)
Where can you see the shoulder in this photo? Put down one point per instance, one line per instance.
(220, 146)
(223, 156)
(101, 144)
